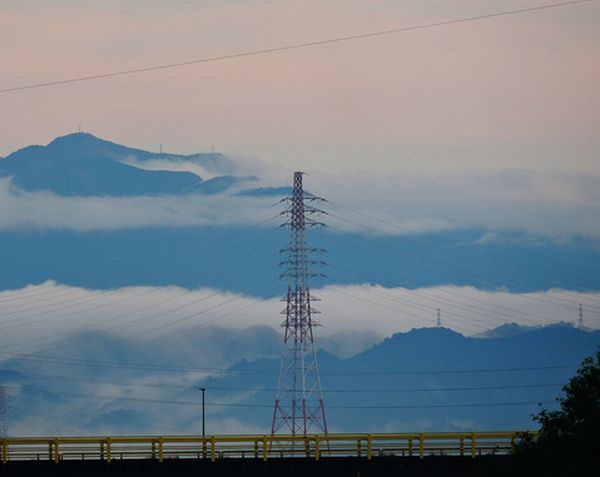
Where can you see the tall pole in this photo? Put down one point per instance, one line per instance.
(203, 415)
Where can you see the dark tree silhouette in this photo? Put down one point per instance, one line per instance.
(568, 443)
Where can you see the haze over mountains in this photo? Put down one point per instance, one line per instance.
(113, 220)
(83, 211)
(427, 379)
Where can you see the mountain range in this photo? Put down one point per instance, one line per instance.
(428, 379)
(425, 379)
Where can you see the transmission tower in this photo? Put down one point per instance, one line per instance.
(299, 407)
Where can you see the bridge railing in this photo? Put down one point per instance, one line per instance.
(263, 447)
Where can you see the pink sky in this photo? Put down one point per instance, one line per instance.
(517, 91)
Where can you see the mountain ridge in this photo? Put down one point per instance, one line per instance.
(453, 383)
(83, 165)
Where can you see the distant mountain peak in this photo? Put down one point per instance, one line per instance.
(81, 164)
(508, 330)
(426, 333)
(76, 138)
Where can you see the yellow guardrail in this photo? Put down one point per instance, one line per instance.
(262, 447)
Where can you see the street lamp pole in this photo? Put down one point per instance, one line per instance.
(203, 425)
(203, 415)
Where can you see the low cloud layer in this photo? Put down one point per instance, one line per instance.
(558, 205)
(546, 203)
(43, 316)
(123, 361)
(45, 210)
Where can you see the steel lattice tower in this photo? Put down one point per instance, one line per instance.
(299, 407)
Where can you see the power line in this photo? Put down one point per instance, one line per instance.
(458, 258)
(249, 405)
(527, 268)
(414, 390)
(78, 302)
(19, 294)
(48, 377)
(296, 46)
(143, 319)
(10, 310)
(12, 295)
(147, 367)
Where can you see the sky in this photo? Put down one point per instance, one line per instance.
(510, 92)
(488, 126)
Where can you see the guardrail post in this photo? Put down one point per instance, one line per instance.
(473, 445)
(513, 443)
(265, 448)
(50, 451)
(461, 446)
(56, 451)
(369, 447)
(4, 444)
(317, 447)
(421, 446)
(256, 449)
(108, 450)
(213, 448)
(410, 447)
(358, 446)
(161, 449)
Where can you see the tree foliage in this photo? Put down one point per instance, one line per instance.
(568, 442)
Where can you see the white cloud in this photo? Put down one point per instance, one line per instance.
(170, 165)
(547, 203)
(232, 164)
(43, 316)
(487, 237)
(553, 204)
(45, 210)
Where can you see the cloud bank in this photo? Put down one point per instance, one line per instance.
(123, 361)
(552, 204)
(45, 210)
(42, 316)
